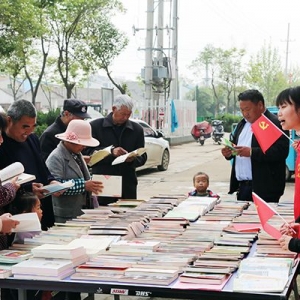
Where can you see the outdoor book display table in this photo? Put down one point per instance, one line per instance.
(118, 289)
(176, 289)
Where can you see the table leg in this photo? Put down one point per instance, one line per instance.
(22, 295)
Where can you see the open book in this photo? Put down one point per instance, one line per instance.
(229, 144)
(120, 159)
(56, 187)
(13, 170)
(28, 222)
(112, 185)
(99, 155)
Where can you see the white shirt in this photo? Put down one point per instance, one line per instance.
(243, 167)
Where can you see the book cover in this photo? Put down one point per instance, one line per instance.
(14, 256)
(120, 159)
(53, 188)
(99, 155)
(112, 185)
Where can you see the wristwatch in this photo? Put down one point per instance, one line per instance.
(112, 149)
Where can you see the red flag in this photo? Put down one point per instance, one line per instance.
(266, 132)
(265, 213)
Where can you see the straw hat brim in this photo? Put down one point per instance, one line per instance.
(91, 142)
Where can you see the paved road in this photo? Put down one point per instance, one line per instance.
(186, 160)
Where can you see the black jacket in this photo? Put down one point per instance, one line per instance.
(268, 170)
(48, 140)
(130, 138)
(29, 154)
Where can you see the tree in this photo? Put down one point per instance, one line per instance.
(208, 58)
(77, 33)
(231, 74)
(22, 26)
(265, 73)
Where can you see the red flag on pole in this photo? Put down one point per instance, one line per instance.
(265, 213)
(266, 132)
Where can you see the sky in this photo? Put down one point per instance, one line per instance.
(223, 23)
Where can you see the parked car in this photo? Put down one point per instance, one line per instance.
(158, 148)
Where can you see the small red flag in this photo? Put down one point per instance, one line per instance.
(265, 213)
(266, 132)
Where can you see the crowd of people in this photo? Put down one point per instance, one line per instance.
(63, 151)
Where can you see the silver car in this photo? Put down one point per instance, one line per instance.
(158, 148)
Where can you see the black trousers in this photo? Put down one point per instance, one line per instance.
(245, 191)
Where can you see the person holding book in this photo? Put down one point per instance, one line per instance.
(20, 144)
(201, 183)
(26, 202)
(288, 102)
(124, 136)
(252, 169)
(66, 163)
(7, 195)
(73, 109)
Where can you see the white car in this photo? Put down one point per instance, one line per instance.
(158, 149)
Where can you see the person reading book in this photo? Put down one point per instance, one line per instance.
(252, 169)
(26, 202)
(7, 195)
(288, 102)
(201, 183)
(66, 163)
(73, 109)
(20, 144)
(125, 136)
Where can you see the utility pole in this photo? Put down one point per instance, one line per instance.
(148, 59)
(287, 52)
(174, 92)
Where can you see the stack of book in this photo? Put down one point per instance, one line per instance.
(154, 276)
(50, 262)
(263, 274)
(193, 207)
(8, 258)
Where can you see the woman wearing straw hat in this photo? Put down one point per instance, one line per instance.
(65, 163)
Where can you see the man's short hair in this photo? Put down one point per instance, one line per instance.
(123, 100)
(21, 108)
(254, 96)
(76, 107)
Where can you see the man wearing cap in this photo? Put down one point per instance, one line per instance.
(72, 109)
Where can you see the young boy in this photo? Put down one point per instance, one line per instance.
(201, 183)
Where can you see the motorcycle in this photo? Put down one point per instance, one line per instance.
(201, 131)
(218, 131)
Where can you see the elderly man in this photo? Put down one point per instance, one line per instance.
(125, 136)
(21, 144)
(72, 109)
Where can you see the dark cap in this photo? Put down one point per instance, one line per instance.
(76, 107)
